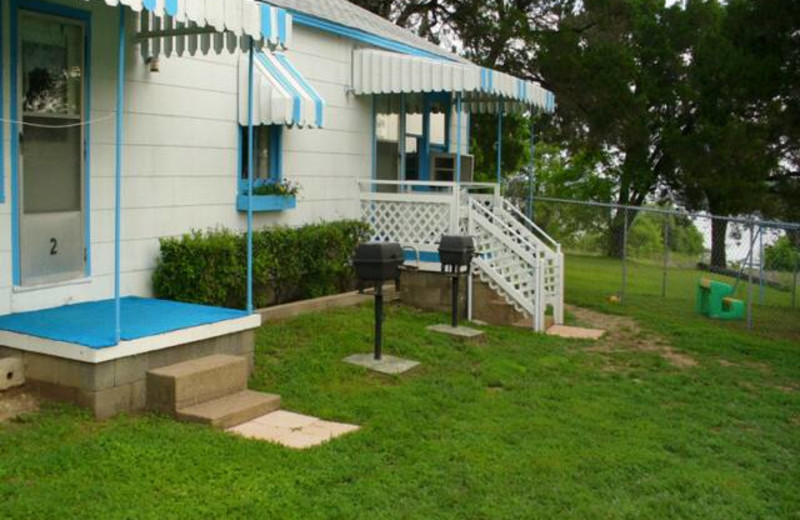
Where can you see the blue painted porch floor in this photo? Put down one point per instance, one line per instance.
(92, 324)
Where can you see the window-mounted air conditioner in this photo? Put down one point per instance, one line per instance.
(443, 167)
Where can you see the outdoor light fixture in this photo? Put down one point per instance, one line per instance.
(154, 63)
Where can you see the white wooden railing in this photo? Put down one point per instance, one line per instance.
(515, 257)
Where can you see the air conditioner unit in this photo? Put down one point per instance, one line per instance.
(443, 167)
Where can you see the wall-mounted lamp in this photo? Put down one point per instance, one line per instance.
(153, 63)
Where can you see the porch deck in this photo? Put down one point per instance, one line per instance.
(70, 354)
(92, 324)
(84, 331)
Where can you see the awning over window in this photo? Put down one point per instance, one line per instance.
(281, 95)
(385, 73)
(190, 25)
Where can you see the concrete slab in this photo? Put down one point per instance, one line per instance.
(292, 430)
(465, 333)
(389, 365)
(564, 331)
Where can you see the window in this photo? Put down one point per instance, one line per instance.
(440, 107)
(268, 161)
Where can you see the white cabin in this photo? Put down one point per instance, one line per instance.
(371, 121)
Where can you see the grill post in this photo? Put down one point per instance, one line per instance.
(378, 321)
(454, 300)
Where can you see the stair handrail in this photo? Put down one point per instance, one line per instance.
(508, 206)
(503, 237)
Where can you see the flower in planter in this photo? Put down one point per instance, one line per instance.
(281, 188)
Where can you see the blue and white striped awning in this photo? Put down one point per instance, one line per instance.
(281, 95)
(483, 90)
(206, 25)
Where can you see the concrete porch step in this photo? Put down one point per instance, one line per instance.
(184, 385)
(231, 410)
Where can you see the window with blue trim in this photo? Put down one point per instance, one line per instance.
(268, 158)
(439, 110)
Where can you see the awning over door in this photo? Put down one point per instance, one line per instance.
(281, 95)
(382, 72)
(189, 25)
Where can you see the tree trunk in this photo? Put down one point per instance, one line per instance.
(719, 235)
(616, 235)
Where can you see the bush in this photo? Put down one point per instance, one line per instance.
(289, 264)
(782, 256)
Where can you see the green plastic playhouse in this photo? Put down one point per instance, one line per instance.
(714, 299)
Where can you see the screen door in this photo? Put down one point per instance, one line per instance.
(52, 64)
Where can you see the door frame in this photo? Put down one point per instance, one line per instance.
(84, 18)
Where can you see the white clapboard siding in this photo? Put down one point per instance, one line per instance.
(181, 154)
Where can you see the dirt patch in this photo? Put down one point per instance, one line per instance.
(623, 333)
(788, 389)
(14, 403)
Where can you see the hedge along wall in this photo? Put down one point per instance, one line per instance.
(289, 264)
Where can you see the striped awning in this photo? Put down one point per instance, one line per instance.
(377, 72)
(168, 26)
(281, 95)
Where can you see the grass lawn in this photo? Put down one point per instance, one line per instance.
(522, 426)
(591, 280)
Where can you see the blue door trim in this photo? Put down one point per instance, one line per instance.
(2, 112)
(84, 17)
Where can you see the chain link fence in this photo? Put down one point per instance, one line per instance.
(639, 255)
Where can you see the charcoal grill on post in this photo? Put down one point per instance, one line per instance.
(377, 263)
(456, 253)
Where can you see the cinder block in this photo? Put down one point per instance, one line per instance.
(193, 382)
(139, 395)
(130, 369)
(10, 352)
(109, 402)
(96, 377)
(12, 373)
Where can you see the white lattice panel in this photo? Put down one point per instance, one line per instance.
(407, 222)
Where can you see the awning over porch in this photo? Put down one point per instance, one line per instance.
(378, 72)
(282, 96)
(167, 26)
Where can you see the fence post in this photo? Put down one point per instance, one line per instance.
(750, 276)
(794, 279)
(761, 282)
(666, 257)
(624, 258)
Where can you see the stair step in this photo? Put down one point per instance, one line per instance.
(186, 384)
(231, 410)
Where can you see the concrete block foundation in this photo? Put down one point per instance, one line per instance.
(429, 290)
(119, 385)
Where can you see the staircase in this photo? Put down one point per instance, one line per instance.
(211, 390)
(515, 257)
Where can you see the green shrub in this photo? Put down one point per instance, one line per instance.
(782, 256)
(289, 264)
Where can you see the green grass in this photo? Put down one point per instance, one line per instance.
(591, 280)
(523, 426)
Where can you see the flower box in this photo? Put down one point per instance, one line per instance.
(266, 203)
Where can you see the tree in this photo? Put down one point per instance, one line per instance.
(724, 138)
(614, 67)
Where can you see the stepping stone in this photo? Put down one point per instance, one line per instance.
(564, 331)
(389, 365)
(292, 430)
(464, 333)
